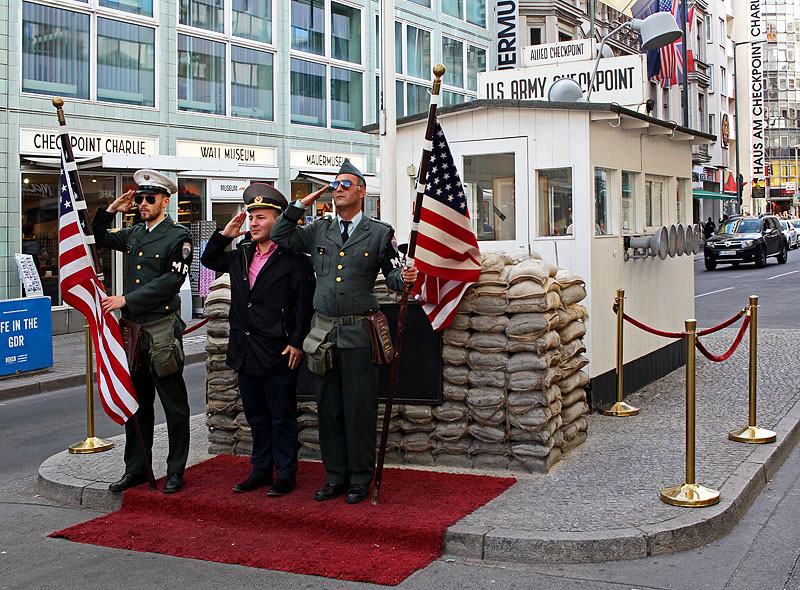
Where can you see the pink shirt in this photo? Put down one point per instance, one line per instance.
(259, 260)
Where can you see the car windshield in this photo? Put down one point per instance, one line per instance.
(741, 226)
(785, 224)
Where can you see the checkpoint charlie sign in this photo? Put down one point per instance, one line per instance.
(619, 79)
(41, 142)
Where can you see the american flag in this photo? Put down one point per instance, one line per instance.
(666, 64)
(447, 254)
(81, 289)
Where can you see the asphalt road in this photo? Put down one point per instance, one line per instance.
(720, 293)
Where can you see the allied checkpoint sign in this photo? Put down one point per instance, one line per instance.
(619, 79)
(26, 334)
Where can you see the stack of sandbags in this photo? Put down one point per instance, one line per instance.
(244, 437)
(416, 423)
(222, 385)
(571, 329)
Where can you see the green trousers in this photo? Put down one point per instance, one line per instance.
(347, 408)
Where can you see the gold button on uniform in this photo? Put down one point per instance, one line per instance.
(137, 281)
(341, 253)
(366, 253)
(340, 267)
(338, 279)
(166, 307)
(157, 255)
(140, 253)
(138, 267)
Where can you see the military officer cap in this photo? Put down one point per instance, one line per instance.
(262, 195)
(348, 168)
(150, 181)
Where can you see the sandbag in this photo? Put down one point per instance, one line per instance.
(530, 361)
(489, 305)
(457, 375)
(417, 413)
(450, 412)
(487, 342)
(453, 392)
(492, 324)
(573, 294)
(531, 269)
(577, 379)
(482, 378)
(487, 360)
(450, 431)
(455, 336)
(454, 355)
(572, 331)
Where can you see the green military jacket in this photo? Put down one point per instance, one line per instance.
(345, 273)
(157, 262)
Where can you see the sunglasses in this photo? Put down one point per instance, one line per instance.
(346, 184)
(151, 199)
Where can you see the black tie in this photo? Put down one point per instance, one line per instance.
(345, 234)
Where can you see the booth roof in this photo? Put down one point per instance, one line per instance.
(595, 107)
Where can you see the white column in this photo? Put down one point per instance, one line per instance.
(388, 117)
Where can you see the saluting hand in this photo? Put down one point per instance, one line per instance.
(309, 199)
(234, 227)
(122, 202)
(295, 356)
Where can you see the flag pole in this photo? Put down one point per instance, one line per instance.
(72, 170)
(422, 176)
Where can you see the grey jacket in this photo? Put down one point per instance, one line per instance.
(345, 273)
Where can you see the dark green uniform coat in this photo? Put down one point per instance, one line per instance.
(157, 263)
(347, 397)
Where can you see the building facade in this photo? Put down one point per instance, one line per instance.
(218, 93)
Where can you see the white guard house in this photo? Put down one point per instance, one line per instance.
(574, 182)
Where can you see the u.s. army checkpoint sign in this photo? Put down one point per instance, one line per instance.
(619, 79)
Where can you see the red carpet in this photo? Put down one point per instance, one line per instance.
(381, 544)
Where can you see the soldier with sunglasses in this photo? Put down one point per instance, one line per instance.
(158, 253)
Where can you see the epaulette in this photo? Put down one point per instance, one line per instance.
(386, 223)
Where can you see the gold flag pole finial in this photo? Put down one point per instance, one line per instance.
(58, 102)
(438, 73)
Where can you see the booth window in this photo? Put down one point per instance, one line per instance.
(628, 202)
(191, 198)
(653, 197)
(489, 186)
(554, 210)
(603, 209)
(40, 194)
(682, 197)
(55, 51)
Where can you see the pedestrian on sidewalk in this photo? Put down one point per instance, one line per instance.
(348, 252)
(271, 294)
(158, 253)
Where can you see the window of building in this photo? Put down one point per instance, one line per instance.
(554, 200)
(453, 58)
(536, 35)
(251, 83)
(143, 7)
(653, 199)
(472, 11)
(308, 26)
(628, 202)
(346, 102)
(252, 19)
(723, 81)
(476, 63)
(201, 75)
(711, 74)
(412, 61)
(307, 84)
(203, 14)
(711, 125)
(120, 78)
(723, 34)
(665, 103)
(489, 186)
(425, 3)
(709, 30)
(418, 52)
(345, 33)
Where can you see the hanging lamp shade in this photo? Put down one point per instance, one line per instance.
(657, 30)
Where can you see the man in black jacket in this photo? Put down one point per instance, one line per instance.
(272, 289)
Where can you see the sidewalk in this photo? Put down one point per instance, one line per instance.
(69, 364)
(602, 501)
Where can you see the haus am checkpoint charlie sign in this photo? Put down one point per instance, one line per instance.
(619, 79)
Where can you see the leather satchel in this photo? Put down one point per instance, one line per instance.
(382, 348)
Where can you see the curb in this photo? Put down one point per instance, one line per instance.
(46, 385)
(693, 528)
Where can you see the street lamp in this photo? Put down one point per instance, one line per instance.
(739, 178)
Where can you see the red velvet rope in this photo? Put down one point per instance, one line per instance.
(641, 326)
(734, 346)
(708, 331)
(196, 326)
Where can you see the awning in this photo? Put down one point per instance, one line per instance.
(373, 183)
(699, 194)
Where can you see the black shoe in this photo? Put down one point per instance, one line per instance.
(252, 483)
(128, 480)
(330, 491)
(174, 483)
(281, 487)
(357, 493)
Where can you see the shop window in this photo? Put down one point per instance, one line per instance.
(628, 202)
(252, 19)
(308, 93)
(55, 51)
(191, 200)
(489, 186)
(143, 7)
(120, 78)
(201, 75)
(554, 210)
(204, 14)
(40, 194)
(251, 83)
(604, 203)
(653, 198)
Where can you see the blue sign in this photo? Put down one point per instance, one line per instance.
(26, 335)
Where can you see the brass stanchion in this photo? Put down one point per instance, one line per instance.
(690, 493)
(90, 444)
(752, 433)
(619, 408)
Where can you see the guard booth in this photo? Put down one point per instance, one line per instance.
(574, 182)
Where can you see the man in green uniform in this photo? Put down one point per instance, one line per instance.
(158, 254)
(348, 251)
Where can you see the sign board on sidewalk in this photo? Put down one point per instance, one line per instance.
(29, 275)
(26, 335)
(619, 79)
(562, 52)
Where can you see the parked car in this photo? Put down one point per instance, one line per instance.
(796, 224)
(790, 232)
(747, 239)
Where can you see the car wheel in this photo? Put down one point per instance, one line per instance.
(761, 257)
(783, 255)
(710, 264)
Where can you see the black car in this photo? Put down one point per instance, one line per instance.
(747, 239)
